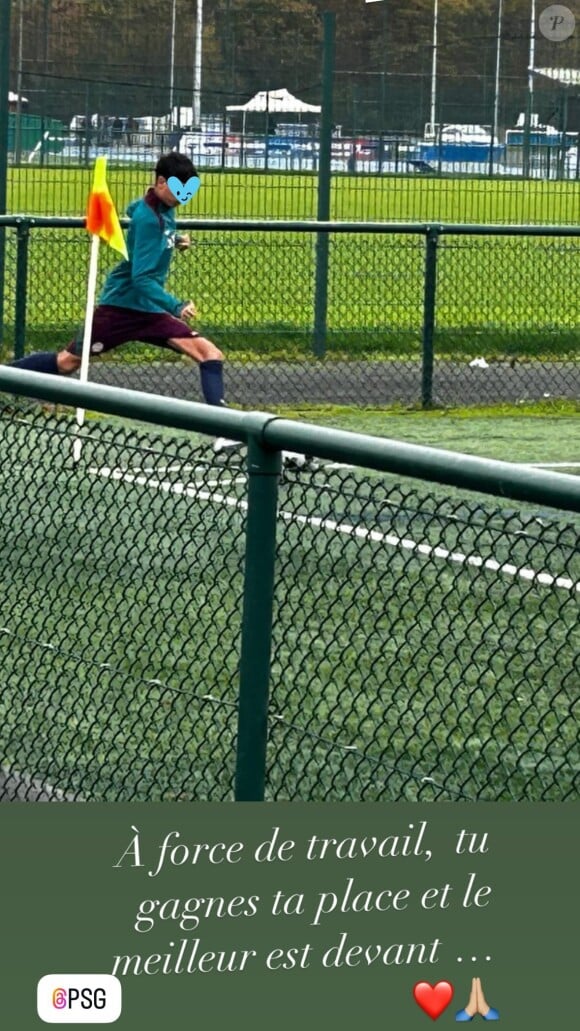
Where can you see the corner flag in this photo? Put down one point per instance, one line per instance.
(103, 224)
(102, 218)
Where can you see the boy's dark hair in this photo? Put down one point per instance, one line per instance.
(175, 164)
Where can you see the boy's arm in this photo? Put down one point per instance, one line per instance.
(145, 259)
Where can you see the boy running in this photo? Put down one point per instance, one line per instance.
(134, 304)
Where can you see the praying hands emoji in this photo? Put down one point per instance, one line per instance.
(477, 1004)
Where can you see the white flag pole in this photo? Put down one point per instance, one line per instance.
(86, 351)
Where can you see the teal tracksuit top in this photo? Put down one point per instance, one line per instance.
(139, 283)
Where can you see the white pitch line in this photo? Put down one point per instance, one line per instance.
(169, 486)
(181, 488)
(162, 469)
(339, 465)
(223, 483)
(390, 539)
(507, 568)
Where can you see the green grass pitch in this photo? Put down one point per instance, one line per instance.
(230, 194)
(508, 297)
(395, 674)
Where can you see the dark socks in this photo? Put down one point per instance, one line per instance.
(212, 381)
(42, 361)
(211, 372)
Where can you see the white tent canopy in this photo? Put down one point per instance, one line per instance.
(276, 101)
(563, 76)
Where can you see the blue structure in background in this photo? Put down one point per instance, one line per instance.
(459, 153)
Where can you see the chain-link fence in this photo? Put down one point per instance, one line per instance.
(433, 114)
(408, 314)
(63, 191)
(410, 654)
(383, 621)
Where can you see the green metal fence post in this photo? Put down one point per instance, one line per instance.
(564, 123)
(45, 32)
(22, 239)
(382, 120)
(88, 126)
(5, 6)
(263, 475)
(324, 178)
(527, 137)
(429, 300)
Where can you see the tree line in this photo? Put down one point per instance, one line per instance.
(114, 56)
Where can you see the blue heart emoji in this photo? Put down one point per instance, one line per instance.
(184, 191)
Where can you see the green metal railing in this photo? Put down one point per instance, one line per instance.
(406, 305)
(4, 89)
(382, 622)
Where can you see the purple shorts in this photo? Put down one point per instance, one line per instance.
(114, 326)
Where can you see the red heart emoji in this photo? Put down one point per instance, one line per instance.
(433, 999)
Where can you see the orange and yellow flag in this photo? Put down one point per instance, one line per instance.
(102, 218)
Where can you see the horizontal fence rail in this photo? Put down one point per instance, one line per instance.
(491, 476)
(289, 226)
(407, 313)
(380, 621)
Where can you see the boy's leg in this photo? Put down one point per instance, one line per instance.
(211, 364)
(210, 360)
(51, 362)
(211, 370)
(109, 328)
